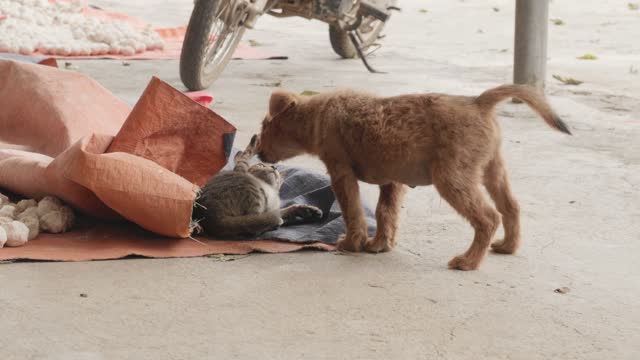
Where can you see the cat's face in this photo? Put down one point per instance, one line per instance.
(267, 173)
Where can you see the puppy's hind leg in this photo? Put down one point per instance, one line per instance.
(462, 192)
(497, 183)
(389, 203)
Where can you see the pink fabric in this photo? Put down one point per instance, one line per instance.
(201, 97)
(107, 241)
(173, 38)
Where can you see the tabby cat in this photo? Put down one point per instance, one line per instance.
(245, 202)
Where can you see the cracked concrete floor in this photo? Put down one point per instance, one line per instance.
(579, 198)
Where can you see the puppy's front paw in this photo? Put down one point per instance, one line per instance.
(350, 243)
(504, 247)
(377, 245)
(464, 263)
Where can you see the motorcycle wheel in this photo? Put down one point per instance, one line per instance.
(214, 31)
(368, 33)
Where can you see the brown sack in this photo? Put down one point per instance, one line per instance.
(99, 175)
(138, 189)
(104, 185)
(73, 192)
(23, 173)
(169, 128)
(49, 109)
(35, 175)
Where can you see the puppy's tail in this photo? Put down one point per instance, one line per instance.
(490, 98)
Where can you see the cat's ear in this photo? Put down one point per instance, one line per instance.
(238, 156)
(252, 147)
(280, 101)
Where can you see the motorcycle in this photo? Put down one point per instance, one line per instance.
(216, 27)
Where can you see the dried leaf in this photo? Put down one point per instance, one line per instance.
(376, 286)
(562, 290)
(587, 57)
(272, 84)
(567, 80)
(344, 253)
(226, 258)
(558, 22)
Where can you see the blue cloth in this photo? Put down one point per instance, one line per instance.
(305, 187)
(22, 58)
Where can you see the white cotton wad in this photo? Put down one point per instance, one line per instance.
(25, 221)
(32, 211)
(3, 237)
(23, 205)
(3, 200)
(47, 205)
(33, 224)
(57, 221)
(61, 28)
(5, 220)
(17, 233)
(8, 211)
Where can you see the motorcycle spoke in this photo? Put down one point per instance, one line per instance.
(228, 19)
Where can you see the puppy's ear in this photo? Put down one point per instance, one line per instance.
(280, 101)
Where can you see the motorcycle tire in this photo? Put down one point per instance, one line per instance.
(342, 45)
(196, 71)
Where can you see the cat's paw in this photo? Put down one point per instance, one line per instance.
(276, 227)
(313, 213)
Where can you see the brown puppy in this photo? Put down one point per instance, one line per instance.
(452, 142)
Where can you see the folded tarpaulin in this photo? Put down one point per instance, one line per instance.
(101, 241)
(109, 161)
(143, 171)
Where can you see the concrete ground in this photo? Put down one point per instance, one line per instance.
(579, 195)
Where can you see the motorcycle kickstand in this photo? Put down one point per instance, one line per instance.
(357, 45)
